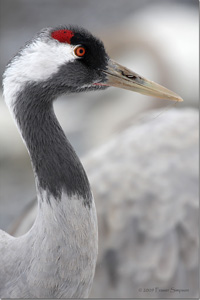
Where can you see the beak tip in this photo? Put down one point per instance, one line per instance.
(179, 99)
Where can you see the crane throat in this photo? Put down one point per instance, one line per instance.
(55, 163)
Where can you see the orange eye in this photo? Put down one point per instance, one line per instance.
(79, 51)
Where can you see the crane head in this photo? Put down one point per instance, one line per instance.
(69, 59)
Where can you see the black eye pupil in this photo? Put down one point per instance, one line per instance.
(81, 50)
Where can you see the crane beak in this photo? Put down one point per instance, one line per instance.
(122, 77)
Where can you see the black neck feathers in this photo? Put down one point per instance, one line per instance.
(54, 161)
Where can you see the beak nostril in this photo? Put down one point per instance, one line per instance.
(131, 76)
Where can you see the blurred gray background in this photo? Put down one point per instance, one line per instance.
(157, 39)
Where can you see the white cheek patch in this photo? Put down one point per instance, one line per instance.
(37, 62)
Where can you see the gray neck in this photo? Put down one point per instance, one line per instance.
(54, 161)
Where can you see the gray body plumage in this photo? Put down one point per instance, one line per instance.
(145, 183)
(148, 220)
(56, 258)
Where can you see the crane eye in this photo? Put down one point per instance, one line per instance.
(79, 51)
